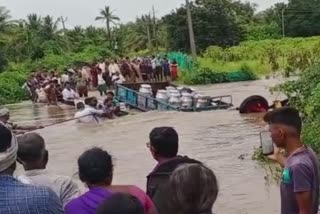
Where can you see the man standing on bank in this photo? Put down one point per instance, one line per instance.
(300, 176)
(164, 146)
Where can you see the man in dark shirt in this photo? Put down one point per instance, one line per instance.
(300, 176)
(163, 145)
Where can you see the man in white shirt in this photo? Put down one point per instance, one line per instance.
(65, 77)
(113, 68)
(69, 95)
(118, 78)
(90, 114)
(102, 85)
(32, 154)
(102, 66)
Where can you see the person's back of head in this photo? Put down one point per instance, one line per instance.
(80, 106)
(8, 150)
(192, 189)
(121, 204)
(6, 137)
(95, 167)
(91, 101)
(164, 142)
(32, 151)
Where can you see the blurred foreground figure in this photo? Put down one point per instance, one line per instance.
(192, 189)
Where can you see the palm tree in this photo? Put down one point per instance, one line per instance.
(49, 27)
(107, 15)
(33, 22)
(4, 18)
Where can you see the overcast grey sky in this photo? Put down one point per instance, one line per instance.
(83, 12)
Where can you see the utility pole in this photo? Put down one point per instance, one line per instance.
(154, 27)
(283, 23)
(191, 33)
(147, 20)
(63, 21)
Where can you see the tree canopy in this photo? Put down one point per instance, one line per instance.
(222, 23)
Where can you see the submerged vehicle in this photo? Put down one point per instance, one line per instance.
(164, 96)
(259, 104)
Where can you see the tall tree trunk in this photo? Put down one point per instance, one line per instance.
(109, 33)
(154, 25)
(149, 36)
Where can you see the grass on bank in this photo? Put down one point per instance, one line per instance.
(255, 66)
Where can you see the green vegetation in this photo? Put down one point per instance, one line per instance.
(234, 41)
(254, 57)
(209, 76)
(304, 94)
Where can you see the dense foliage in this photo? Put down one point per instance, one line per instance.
(229, 34)
(288, 55)
(208, 76)
(304, 94)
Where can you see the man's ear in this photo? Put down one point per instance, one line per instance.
(46, 156)
(153, 150)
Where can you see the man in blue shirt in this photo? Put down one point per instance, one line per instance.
(18, 198)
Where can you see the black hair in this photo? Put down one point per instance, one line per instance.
(88, 100)
(31, 147)
(285, 116)
(95, 166)
(6, 137)
(80, 105)
(165, 141)
(121, 203)
(110, 92)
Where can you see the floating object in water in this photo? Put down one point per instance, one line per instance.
(254, 104)
(258, 104)
(186, 100)
(175, 100)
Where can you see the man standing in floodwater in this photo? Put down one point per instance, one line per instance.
(300, 176)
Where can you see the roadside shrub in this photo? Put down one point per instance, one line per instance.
(201, 76)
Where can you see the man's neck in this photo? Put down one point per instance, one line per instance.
(164, 159)
(29, 168)
(293, 146)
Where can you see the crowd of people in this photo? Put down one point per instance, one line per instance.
(52, 86)
(177, 184)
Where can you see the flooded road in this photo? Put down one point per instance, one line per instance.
(216, 138)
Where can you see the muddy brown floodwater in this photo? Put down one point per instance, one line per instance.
(216, 138)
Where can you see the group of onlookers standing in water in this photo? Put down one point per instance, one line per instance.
(176, 185)
(49, 87)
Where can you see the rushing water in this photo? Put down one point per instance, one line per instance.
(217, 138)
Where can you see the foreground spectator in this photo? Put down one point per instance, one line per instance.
(16, 197)
(96, 171)
(33, 155)
(192, 189)
(164, 145)
(124, 203)
(300, 176)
